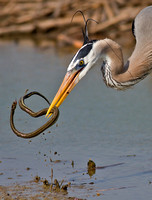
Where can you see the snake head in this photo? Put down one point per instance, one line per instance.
(14, 105)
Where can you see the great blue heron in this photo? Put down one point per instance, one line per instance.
(109, 53)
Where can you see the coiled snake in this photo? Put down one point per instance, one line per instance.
(53, 119)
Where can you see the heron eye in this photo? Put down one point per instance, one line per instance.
(81, 62)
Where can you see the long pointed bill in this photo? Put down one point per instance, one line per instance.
(69, 82)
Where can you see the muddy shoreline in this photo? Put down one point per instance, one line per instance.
(41, 188)
(32, 191)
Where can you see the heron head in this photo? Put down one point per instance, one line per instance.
(82, 61)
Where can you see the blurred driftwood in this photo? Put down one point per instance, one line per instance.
(52, 19)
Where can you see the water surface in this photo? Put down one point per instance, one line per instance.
(95, 122)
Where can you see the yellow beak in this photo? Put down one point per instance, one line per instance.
(69, 82)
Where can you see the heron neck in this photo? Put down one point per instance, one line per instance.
(136, 67)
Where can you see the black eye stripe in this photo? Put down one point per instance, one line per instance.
(84, 51)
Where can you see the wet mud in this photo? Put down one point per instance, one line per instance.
(42, 188)
(33, 191)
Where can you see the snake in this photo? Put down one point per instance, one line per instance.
(50, 122)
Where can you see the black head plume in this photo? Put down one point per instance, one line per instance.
(85, 30)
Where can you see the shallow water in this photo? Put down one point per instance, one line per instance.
(95, 123)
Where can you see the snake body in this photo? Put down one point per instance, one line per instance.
(53, 119)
